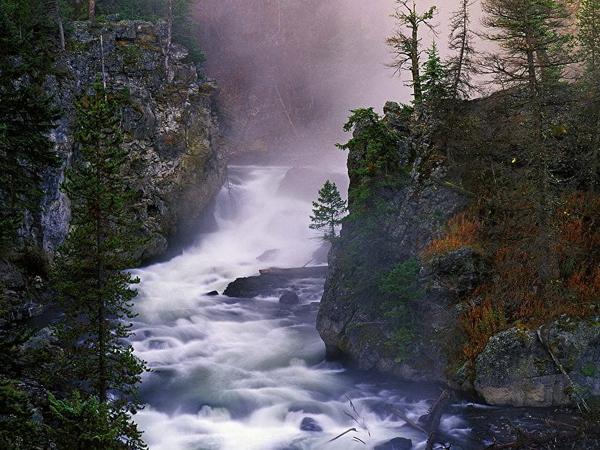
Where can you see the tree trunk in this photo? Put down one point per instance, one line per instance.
(169, 38)
(92, 10)
(61, 30)
(414, 65)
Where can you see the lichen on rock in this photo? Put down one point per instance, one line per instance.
(170, 128)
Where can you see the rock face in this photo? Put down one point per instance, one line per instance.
(170, 129)
(413, 330)
(350, 316)
(518, 367)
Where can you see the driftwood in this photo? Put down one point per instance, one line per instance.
(433, 418)
(435, 415)
(409, 422)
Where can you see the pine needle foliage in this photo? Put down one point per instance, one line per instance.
(328, 211)
(26, 114)
(91, 277)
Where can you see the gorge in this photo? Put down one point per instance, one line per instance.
(468, 261)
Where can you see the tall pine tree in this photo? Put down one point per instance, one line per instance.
(94, 286)
(406, 43)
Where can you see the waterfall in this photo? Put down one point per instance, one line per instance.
(250, 374)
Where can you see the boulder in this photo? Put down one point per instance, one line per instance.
(271, 281)
(289, 298)
(516, 368)
(398, 443)
(310, 424)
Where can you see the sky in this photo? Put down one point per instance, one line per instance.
(293, 68)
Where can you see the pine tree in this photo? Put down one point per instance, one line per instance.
(91, 275)
(588, 36)
(433, 80)
(461, 66)
(534, 49)
(406, 45)
(26, 113)
(533, 55)
(328, 211)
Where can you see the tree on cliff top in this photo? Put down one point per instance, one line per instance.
(533, 47)
(328, 211)
(406, 45)
(461, 66)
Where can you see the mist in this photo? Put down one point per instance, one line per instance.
(291, 70)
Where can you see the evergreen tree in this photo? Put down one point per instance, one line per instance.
(534, 49)
(26, 113)
(406, 44)
(462, 65)
(588, 36)
(328, 211)
(534, 53)
(433, 80)
(91, 275)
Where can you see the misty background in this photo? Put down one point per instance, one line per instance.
(290, 70)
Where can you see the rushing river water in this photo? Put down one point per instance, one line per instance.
(250, 374)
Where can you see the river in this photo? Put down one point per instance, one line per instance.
(251, 374)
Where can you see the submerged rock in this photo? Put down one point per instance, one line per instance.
(271, 281)
(289, 298)
(398, 443)
(310, 424)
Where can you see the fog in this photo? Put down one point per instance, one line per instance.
(290, 70)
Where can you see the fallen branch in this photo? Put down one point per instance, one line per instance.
(340, 435)
(576, 388)
(435, 416)
(406, 419)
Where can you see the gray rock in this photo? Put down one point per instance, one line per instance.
(41, 339)
(515, 368)
(398, 443)
(289, 298)
(170, 130)
(310, 424)
(271, 281)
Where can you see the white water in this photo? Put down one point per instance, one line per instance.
(238, 374)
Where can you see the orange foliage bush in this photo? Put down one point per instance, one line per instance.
(518, 249)
(480, 323)
(461, 231)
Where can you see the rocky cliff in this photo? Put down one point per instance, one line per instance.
(170, 131)
(393, 306)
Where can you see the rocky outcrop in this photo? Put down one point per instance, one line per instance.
(170, 129)
(547, 366)
(390, 306)
(273, 282)
(352, 317)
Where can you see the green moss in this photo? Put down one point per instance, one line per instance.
(131, 56)
(589, 370)
(400, 344)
